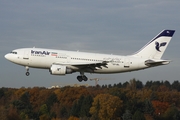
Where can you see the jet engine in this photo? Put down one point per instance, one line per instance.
(60, 70)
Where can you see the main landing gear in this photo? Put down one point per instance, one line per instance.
(82, 77)
(27, 69)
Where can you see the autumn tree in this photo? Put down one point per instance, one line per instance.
(3, 113)
(68, 95)
(159, 107)
(109, 106)
(13, 114)
(156, 100)
(34, 94)
(73, 118)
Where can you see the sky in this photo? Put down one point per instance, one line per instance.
(100, 26)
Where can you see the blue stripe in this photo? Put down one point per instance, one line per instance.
(164, 33)
(167, 33)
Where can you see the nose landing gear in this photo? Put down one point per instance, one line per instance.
(27, 69)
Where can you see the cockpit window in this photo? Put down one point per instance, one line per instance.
(13, 52)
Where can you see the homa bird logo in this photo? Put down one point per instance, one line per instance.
(159, 45)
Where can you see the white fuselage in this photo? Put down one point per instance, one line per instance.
(44, 58)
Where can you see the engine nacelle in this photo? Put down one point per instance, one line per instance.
(60, 70)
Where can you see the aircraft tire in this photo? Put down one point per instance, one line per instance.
(27, 73)
(79, 78)
(84, 78)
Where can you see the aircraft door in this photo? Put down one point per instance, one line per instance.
(26, 55)
(68, 59)
(25, 59)
(126, 63)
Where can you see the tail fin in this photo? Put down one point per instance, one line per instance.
(155, 48)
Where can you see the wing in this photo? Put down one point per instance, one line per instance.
(87, 66)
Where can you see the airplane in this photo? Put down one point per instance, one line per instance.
(61, 62)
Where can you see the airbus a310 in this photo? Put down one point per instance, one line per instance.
(61, 62)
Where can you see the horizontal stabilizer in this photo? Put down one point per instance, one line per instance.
(152, 63)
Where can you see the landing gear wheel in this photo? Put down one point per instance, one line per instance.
(79, 78)
(27, 73)
(84, 78)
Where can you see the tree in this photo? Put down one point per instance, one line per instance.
(155, 85)
(119, 85)
(1, 93)
(167, 84)
(127, 115)
(138, 116)
(132, 84)
(171, 113)
(94, 110)
(44, 117)
(134, 104)
(70, 94)
(73, 118)
(19, 104)
(148, 107)
(51, 100)
(109, 106)
(25, 97)
(148, 84)
(125, 84)
(63, 112)
(43, 109)
(76, 108)
(3, 113)
(34, 95)
(153, 96)
(13, 114)
(176, 85)
(139, 84)
(159, 107)
(86, 105)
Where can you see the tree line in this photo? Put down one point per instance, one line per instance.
(132, 100)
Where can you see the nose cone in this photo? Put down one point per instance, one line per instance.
(11, 57)
(7, 56)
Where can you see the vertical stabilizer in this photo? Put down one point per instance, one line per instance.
(155, 48)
